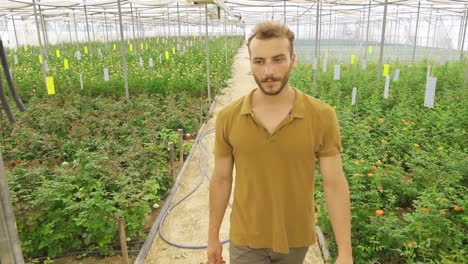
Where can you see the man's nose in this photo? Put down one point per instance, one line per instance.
(269, 69)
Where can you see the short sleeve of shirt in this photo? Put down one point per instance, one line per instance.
(222, 146)
(331, 138)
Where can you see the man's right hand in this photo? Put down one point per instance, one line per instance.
(215, 250)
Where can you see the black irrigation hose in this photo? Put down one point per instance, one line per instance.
(6, 69)
(203, 174)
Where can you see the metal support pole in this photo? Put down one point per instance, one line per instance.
(168, 24)
(133, 23)
(208, 81)
(92, 30)
(284, 12)
(44, 32)
(428, 30)
(460, 31)
(105, 26)
(87, 29)
(382, 40)
(178, 20)
(41, 50)
(14, 28)
(329, 32)
(367, 34)
(435, 31)
(76, 29)
(297, 22)
(122, 48)
(464, 35)
(69, 31)
(416, 35)
(11, 253)
(319, 27)
(316, 28)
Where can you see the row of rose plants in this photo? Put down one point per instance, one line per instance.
(405, 163)
(79, 159)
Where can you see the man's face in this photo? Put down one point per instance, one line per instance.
(271, 64)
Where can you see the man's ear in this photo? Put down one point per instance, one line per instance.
(293, 60)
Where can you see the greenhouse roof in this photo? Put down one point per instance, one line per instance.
(251, 12)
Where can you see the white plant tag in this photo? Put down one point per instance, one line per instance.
(15, 58)
(141, 62)
(324, 65)
(387, 86)
(160, 58)
(353, 99)
(397, 75)
(430, 92)
(336, 72)
(151, 63)
(81, 81)
(106, 74)
(364, 64)
(78, 55)
(428, 74)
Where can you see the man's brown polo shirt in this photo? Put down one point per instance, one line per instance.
(274, 183)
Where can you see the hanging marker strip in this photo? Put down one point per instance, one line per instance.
(86, 50)
(40, 59)
(25, 47)
(387, 86)
(336, 72)
(141, 62)
(430, 92)
(352, 59)
(324, 65)
(65, 64)
(386, 68)
(370, 49)
(57, 52)
(173, 50)
(15, 58)
(167, 55)
(353, 99)
(106, 74)
(50, 85)
(131, 47)
(81, 81)
(397, 75)
(141, 46)
(151, 63)
(160, 58)
(115, 47)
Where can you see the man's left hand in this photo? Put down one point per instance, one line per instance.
(344, 260)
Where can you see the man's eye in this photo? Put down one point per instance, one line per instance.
(279, 59)
(258, 62)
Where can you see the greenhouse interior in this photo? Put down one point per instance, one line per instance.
(108, 128)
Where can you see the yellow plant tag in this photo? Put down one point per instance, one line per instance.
(141, 45)
(16, 50)
(173, 50)
(131, 47)
(86, 49)
(50, 85)
(65, 64)
(369, 49)
(326, 54)
(40, 59)
(57, 52)
(352, 59)
(146, 46)
(25, 47)
(115, 47)
(167, 55)
(385, 69)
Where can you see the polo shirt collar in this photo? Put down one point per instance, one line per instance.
(297, 111)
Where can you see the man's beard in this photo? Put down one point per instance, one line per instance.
(283, 80)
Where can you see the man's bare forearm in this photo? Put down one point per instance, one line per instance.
(220, 192)
(339, 210)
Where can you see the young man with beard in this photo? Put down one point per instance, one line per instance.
(274, 135)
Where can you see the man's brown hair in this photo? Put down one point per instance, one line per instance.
(269, 30)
